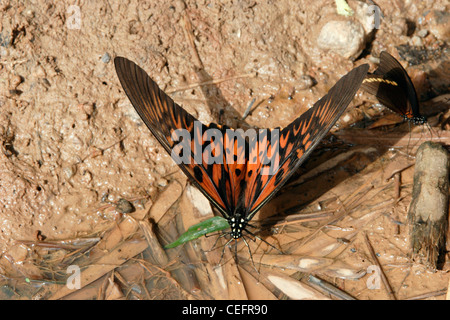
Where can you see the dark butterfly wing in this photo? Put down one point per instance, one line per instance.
(393, 87)
(165, 119)
(297, 141)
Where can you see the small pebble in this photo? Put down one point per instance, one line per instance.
(106, 58)
(124, 206)
(399, 26)
(416, 41)
(88, 108)
(162, 182)
(16, 81)
(304, 82)
(5, 40)
(70, 171)
(422, 33)
(346, 38)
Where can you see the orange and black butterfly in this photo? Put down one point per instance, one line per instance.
(394, 89)
(237, 171)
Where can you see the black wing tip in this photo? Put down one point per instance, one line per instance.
(360, 71)
(386, 56)
(363, 66)
(118, 60)
(355, 77)
(387, 64)
(122, 62)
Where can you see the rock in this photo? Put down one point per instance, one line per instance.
(422, 33)
(15, 82)
(304, 82)
(416, 41)
(439, 24)
(345, 38)
(416, 55)
(5, 40)
(106, 57)
(124, 206)
(399, 27)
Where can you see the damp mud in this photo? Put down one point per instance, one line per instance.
(84, 183)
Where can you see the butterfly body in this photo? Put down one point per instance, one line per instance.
(238, 171)
(237, 223)
(393, 87)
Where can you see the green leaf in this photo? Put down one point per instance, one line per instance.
(343, 8)
(200, 229)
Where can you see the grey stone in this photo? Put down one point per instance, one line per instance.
(346, 38)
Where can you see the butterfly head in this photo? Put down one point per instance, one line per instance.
(237, 223)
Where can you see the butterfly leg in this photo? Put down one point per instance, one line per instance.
(410, 134)
(430, 129)
(261, 239)
(235, 251)
(250, 253)
(223, 250)
(217, 240)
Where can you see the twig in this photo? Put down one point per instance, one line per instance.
(62, 244)
(247, 111)
(342, 210)
(190, 37)
(447, 297)
(397, 188)
(167, 274)
(382, 274)
(428, 295)
(299, 217)
(214, 81)
(329, 288)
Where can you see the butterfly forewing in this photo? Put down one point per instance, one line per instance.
(300, 137)
(162, 116)
(220, 181)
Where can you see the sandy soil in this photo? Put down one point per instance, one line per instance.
(72, 145)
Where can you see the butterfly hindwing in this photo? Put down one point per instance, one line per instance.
(393, 87)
